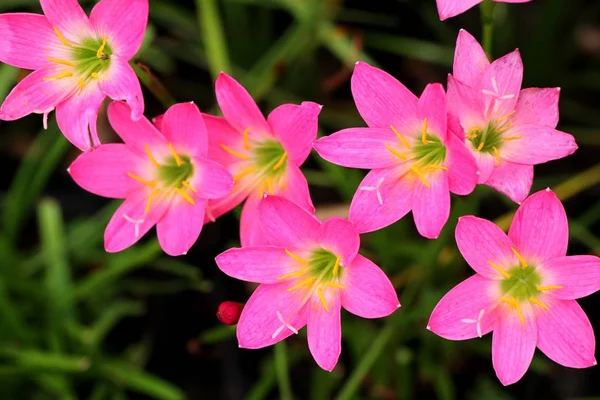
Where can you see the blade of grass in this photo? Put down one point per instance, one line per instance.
(34, 360)
(211, 26)
(282, 371)
(412, 48)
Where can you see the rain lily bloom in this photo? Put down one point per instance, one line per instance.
(415, 162)
(307, 272)
(164, 177)
(507, 129)
(263, 155)
(77, 62)
(451, 8)
(524, 290)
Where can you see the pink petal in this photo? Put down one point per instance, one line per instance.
(260, 324)
(121, 83)
(238, 107)
(539, 229)
(383, 197)
(251, 233)
(466, 311)
(481, 241)
(296, 127)
(538, 107)
(180, 226)
(382, 100)
(451, 8)
(221, 133)
(69, 18)
(486, 165)
(368, 291)
(124, 22)
(513, 343)
(537, 144)
(462, 169)
(260, 264)
(183, 126)
(465, 103)
(359, 148)
(324, 331)
(294, 187)
(103, 171)
(218, 207)
(287, 225)
(501, 83)
(135, 134)
(77, 115)
(431, 205)
(513, 180)
(26, 40)
(339, 236)
(470, 61)
(579, 276)
(432, 105)
(158, 121)
(211, 181)
(565, 334)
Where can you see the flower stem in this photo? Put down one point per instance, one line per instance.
(487, 22)
(282, 371)
(153, 84)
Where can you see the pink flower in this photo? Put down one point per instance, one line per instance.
(524, 290)
(264, 156)
(507, 129)
(415, 163)
(164, 177)
(451, 8)
(307, 274)
(77, 62)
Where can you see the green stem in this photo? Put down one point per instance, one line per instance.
(282, 371)
(487, 22)
(152, 83)
(211, 27)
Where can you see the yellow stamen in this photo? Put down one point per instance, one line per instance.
(301, 284)
(62, 38)
(147, 149)
(435, 166)
(545, 288)
(270, 185)
(243, 173)
(95, 75)
(322, 298)
(295, 257)
(186, 196)
(63, 62)
(187, 185)
(499, 269)
(498, 157)
(521, 259)
(424, 134)
(149, 201)
(336, 266)
(538, 302)
(509, 138)
(395, 152)
(100, 51)
(335, 285)
(246, 143)
(142, 180)
(400, 137)
(81, 84)
(514, 303)
(291, 275)
(235, 153)
(280, 162)
(65, 74)
(417, 171)
(503, 129)
(175, 155)
(507, 116)
(480, 146)
(472, 133)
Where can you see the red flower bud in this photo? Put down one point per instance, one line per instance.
(229, 312)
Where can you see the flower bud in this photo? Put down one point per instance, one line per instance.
(229, 312)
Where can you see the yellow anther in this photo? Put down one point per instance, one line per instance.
(147, 149)
(335, 285)
(185, 196)
(269, 182)
(142, 180)
(100, 51)
(545, 288)
(301, 284)
(81, 84)
(514, 303)
(400, 137)
(302, 261)
(246, 143)
(291, 275)
(235, 153)
(499, 269)
(62, 38)
(336, 266)
(63, 62)
(424, 133)
(472, 133)
(507, 116)
(417, 171)
(538, 302)
(509, 138)
(322, 298)
(395, 152)
(95, 75)
(243, 173)
(503, 129)
(480, 146)
(436, 166)
(280, 162)
(521, 259)
(498, 157)
(175, 156)
(65, 74)
(149, 201)
(189, 186)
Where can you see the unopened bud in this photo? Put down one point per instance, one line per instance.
(229, 312)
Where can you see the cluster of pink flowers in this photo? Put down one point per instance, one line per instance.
(186, 169)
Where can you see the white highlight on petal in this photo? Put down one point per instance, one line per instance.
(496, 92)
(475, 321)
(494, 84)
(284, 325)
(210, 215)
(375, 189)
(136, 223)
(45, 121)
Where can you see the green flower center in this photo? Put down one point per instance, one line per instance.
(270, 158)
(487, 141)
(323, 264)
(523, 283)
(431, 153)
(172, 174)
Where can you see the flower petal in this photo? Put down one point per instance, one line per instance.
(180, 226)
(296, 127)
(260, 264)
(486, 165)
(183, 126)
(466, 311)
(368, 291)
(470, 61)
(236, 196)
(294, 187)
(103, 171)
(432, 106)
(121, 83)
(451, 8)
(565, 334)
(537, 144)
(501, 83)
(324, 330)
(135, 134)
(431, 205)
(359, 148)
(123, 22)
(250, 227)
(481, 241)
(513, 180)
(540, 230)
(68, 18)
(465, 103)
(339, 236)
(382, 100)
(579, 276)
(221, 133)
(462, 168)
(538, 107)
(383, 197)
(212, 181)
(260, 324)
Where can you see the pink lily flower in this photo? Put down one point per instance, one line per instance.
(307, 274)
(507, 129)
(524, 290)
(77, 62)
(451, 8)
(415, 162)
(263, 155)
(164, 176)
